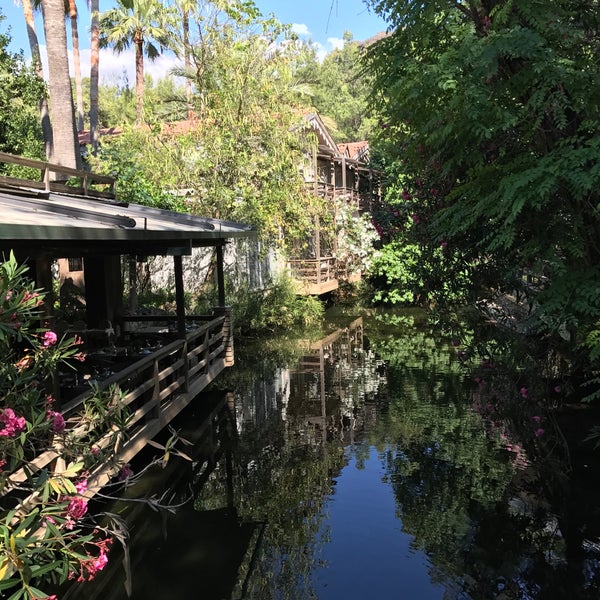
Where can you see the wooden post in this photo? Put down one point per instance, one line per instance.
(179, 295)
(220, 275)
(227, 333)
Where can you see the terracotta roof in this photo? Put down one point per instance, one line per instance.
(374, 39)
(84, 135)
(354, 150)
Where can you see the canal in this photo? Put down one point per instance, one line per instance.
(378, 460)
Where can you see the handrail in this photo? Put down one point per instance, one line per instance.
(150, 387)
(86, 178)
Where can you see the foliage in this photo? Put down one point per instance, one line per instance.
(489, 131)
(238, 157)
(20, 92)
(143, 24)
(355, 235)
(124, 158)
(340, 89)
(278, 308)
(46, 535)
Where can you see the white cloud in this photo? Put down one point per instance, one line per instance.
(115, 67)
(300, 29)
(336, 43)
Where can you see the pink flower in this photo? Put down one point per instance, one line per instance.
(125, 472)
(81, 486)
(416, 219)
(12, 423)
(523, 392)
(557, 389)
(95, 450)
(89, 567)
(49, 339)
(539, 432)
(58, 421)
(406, 195)
(443, 245)
(536, 419)
(77, 508)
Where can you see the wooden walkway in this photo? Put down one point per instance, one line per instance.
(151, 391)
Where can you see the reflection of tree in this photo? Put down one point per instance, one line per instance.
(484, 525)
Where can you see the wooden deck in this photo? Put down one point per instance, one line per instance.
(314, 277)
(153, 391)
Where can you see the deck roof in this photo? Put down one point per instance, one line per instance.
(50, 222)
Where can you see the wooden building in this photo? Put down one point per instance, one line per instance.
(338, 173)
(85, 224)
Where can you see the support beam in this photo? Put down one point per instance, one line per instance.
(179, 295)
(220, 276)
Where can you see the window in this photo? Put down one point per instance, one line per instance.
(75, 264)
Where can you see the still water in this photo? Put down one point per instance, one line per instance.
(375, 462)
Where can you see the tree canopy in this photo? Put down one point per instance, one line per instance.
(488, 130)
(20, 91)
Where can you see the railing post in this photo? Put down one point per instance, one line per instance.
(227, 333)
(155, 400)
(186, 367)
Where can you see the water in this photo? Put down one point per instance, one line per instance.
(373, 463)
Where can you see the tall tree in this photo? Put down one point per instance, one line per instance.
(72, 12)
(490, 116)
(20, 91)
(143, 24)
(94, 72)
(64, 148)
(36, 59)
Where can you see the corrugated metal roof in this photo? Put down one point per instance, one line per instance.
(42, 220)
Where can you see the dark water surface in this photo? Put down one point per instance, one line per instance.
(373, 463)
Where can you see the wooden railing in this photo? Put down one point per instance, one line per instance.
(152, 391)
(85, 180)
(314, 276)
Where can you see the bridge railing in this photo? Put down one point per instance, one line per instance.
(80, 182)
(151, 392)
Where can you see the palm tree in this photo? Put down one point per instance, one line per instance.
(71, 8)
(94, 73)
(37, 63)
(143, 23)
(64, 147)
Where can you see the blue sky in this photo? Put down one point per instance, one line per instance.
(322, 21)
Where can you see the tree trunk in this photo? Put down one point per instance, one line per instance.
(37, 64)
(94, 75)
(76, 64)
(187, 62)
(65, 149)
(139, 78)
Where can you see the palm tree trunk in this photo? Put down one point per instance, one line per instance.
(65, 149)
(94, 74)
(187, 61)
(76, 64)
(139, 78)
(37, 64)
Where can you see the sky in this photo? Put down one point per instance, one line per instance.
(322, 21)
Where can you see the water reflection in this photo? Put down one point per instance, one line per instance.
(378, 469)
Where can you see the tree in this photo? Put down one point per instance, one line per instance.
(489, 119)
(20, 91)
(37, 63)
(239, 158)
(143, 24)
(72, 12)
(341, 89)
(94, 73)
(64, 147)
